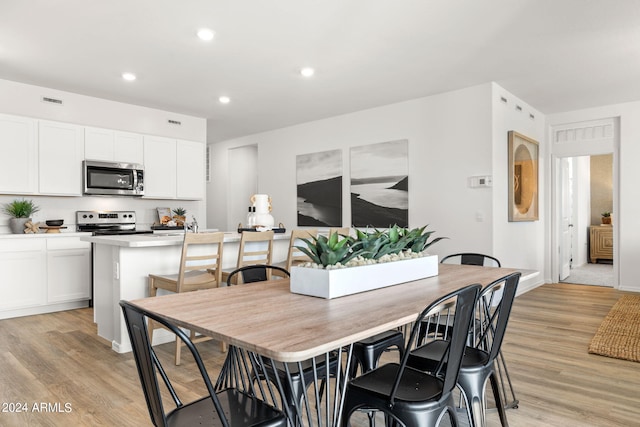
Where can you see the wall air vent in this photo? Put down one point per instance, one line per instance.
(51, 100)
(174, 122)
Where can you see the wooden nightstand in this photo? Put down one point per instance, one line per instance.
(600, 242)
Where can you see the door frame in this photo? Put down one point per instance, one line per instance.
(596, 147)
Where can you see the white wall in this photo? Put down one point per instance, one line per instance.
(25, 100)
(517, 244)
(449, 140)
(626, 200)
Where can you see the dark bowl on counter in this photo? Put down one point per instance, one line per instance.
(54, 222)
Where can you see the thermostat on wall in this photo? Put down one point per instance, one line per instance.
(480, 181)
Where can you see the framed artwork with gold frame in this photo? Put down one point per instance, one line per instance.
(523, 178)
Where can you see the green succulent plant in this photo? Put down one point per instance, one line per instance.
(331, 250)
(393, 241)
(606, 214)
(20, 208)
(180, 211)
(370, 244)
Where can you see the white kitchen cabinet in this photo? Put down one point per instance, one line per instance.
(159, 167)
(99, 144)
(190, 176)
(18, 155)
(23, 274)
(113, 146)
(68, 270)
(128, 148)
(42, 274)
(60, 153)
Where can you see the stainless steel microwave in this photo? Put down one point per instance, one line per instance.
(113, 179)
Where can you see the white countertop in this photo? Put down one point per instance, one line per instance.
(158, 239)
(47, 235)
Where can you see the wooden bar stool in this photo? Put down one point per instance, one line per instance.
(256, 248)
(295, 256)
(200, 268)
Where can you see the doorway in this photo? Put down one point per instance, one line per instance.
(586, 246)
(585, 179)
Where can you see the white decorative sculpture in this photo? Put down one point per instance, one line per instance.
(262, 217)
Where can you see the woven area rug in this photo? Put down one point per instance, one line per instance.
(619, 334)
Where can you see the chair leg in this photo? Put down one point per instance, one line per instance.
(501, 368)
(498, 398)
(472, 389)
(153, 291)
(178, 350)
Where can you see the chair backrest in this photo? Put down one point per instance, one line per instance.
(461, 303)
(470, 258)
(255, 248)
(148, 363)
(492, 314)
(207, 259)
(296, 256)
(254, 273)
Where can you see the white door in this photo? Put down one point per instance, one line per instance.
(566, 225)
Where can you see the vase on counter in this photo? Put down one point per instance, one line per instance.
(262, 216)
(17, 225)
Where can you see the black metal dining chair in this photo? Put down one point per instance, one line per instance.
(226, 407)
(473, 258)
(296, 378)
(255, 273)
(409, 396)
(488, 328)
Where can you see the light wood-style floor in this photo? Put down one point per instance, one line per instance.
(59, 361)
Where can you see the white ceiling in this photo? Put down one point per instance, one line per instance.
(557, 55)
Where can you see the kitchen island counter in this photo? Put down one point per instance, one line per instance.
(121, 267)
(159, 239)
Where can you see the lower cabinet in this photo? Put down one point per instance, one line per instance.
(68, 270)
(23, 273)
(41, 275)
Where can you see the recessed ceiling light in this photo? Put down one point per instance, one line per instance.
(224, 100)
(205, 34)
(129, 76)
(307, 72)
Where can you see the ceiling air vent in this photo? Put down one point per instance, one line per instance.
(52, 100)
(174, 122)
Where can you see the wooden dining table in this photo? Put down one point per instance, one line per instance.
(266, 319)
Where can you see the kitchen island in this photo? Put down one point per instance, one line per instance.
(122, 263)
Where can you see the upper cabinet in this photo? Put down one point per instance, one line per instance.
(190, 159)
(159, 167)
(173, 169)
(113, 146)
(60, 151)
(18, 155)
(43, 157)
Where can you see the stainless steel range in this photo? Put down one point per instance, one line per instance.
(102, 223)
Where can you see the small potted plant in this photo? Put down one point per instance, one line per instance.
(179, 216)
(20, 212)
(606, 218)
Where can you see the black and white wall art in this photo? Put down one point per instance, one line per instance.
(380, 184)
(319, 184)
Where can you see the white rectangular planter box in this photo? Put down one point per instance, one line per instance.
(346, 281)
